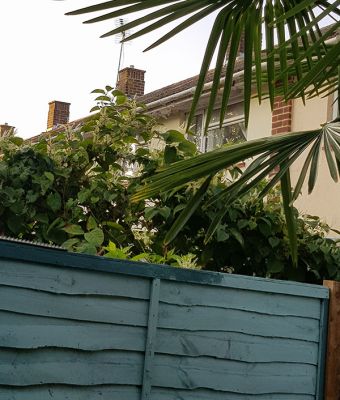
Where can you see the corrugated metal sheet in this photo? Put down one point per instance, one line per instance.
(83, 327)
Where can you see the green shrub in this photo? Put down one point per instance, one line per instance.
(74, 190)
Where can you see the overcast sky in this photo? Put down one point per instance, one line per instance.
(47, 56)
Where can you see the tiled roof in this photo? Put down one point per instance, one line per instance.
(167, 91)
(182, 86)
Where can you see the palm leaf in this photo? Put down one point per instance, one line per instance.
(295, 23)
(301, 61)
(290, 217)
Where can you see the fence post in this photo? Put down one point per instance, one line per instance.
(150, 339)
(332, 384)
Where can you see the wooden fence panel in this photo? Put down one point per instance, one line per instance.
(81, 327)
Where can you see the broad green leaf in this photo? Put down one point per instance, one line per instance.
(73, 229)
(114, 225)
(184, 216)
(68, 245)
(87, 248)
(170, 154)
(275, 266)
(49, 176)
(95, 237)
(187, 147)
(274, 241)
(91, 223)
(54, 201)
(237, 235)
(99, 91)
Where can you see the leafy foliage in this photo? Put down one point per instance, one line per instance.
(74, 188)
(302, 63)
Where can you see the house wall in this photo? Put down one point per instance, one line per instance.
(324, 201)
(304, 117)
(260, 120)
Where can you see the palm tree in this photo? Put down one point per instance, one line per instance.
(286, 52)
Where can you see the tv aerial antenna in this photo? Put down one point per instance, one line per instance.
(119, 38)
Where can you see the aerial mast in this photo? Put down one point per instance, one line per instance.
(120, 22)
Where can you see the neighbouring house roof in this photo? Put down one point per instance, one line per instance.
(183, 90)
(177, 96)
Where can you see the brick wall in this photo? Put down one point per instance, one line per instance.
(282, 116)
(131, 81)
(58, 114)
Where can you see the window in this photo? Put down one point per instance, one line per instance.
(232, 131)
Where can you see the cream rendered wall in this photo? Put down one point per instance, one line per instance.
(260, 120)
(325, 199)
(175, 121)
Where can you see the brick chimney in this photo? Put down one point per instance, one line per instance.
(131, 81)
(58, 114)
(6, 130)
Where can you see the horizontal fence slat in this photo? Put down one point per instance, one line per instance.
(70, 393)
(197, 318)
(232, 376)
(86, 308)
(71, 281)
(28, 332)
(235, 346)
(14, 251)
(204, 394)
(74, 327)
(50, 366)
(25, 331)
(130, 393)
(248, 300)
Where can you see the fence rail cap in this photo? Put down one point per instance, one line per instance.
(38, 255)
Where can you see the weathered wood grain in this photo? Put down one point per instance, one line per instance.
(198, 318)
(236, 346)
(59, 392)
(87, 308)
(206, 394)
(75, 327)
(26, 331)
(72, 281)
(29, 332)
(247, 300)
(49, 366)
(232, 376)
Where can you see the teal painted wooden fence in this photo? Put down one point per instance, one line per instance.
(79, 327)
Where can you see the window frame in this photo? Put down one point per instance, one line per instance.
(203, 138)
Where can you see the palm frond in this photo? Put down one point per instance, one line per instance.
(291, 38)
(272, 153)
